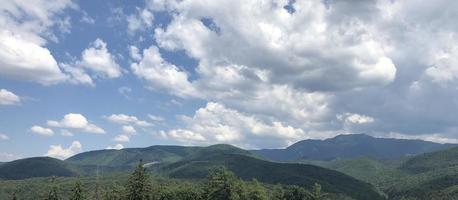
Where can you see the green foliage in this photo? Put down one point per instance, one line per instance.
(255, 191)
(295, 193)
(53, 194)
(316, 193)
(77, 191)
(223, 185)
(139, 185)
(114, 192)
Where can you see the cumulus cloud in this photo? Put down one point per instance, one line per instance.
(127, 119)
(76, 121)
(42, 130)
(139, 21)
(25, 30)
(127, 129)
(97, 59)
(161, 75)
(25, 60)
(8, 98)
(4, 137)
(354, 118)
(216, 123)
(116, 147)
(308, 49)
(57, 151)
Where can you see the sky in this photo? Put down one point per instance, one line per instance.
(81, 75)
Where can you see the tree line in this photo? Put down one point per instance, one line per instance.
(221, 184)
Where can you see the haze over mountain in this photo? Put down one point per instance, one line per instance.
(350, 146)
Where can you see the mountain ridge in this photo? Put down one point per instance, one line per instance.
(350, 146)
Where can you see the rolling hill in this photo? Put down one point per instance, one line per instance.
(36, 167)
(248, 168)
(350, 146)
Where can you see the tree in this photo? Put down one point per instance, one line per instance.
(53, 195)
(256, 191)
(296, 193)
(278, 193)
(115, 192)
(316, 193)
(14, 196)
(77, 191)
(222, 184)
(139, 186)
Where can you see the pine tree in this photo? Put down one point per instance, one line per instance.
(223, 185)
(77, 191)
(52, 195)
(14, 196)
(139, 186)
(114, 192)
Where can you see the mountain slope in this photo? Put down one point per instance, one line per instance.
(131, 156)
(248, 167)
(432, 161)
(35, 167)
(350, 146)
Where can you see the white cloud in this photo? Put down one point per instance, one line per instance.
(129, 130)
(300, 49)
(8, 98)
(216, 123)
(161, 75)
(42, 131)
(134, 53)
(57, 151)
(87, 19)
(4, 137)
(116, 147)
(438, 138)
(121, 138)
(76, 121)
(97, 59)
(25, 60)
(354, 118)
(24, 29)
(155, 118)
(140, 21)
(65, 132)
(127, 119)
(77, 75)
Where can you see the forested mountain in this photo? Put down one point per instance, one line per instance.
(350, 146)
(35, 167)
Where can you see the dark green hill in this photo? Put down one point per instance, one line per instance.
(35, 167)
(432, 161)
(351, 146)
(248, 167)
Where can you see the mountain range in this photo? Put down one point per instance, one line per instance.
(351, 146)
(358, 166)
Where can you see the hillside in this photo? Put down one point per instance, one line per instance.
(131, 156)
(248, 167)
(432, 161)
(350, 146)
(35, 167)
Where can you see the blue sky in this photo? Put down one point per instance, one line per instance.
(85, 75)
